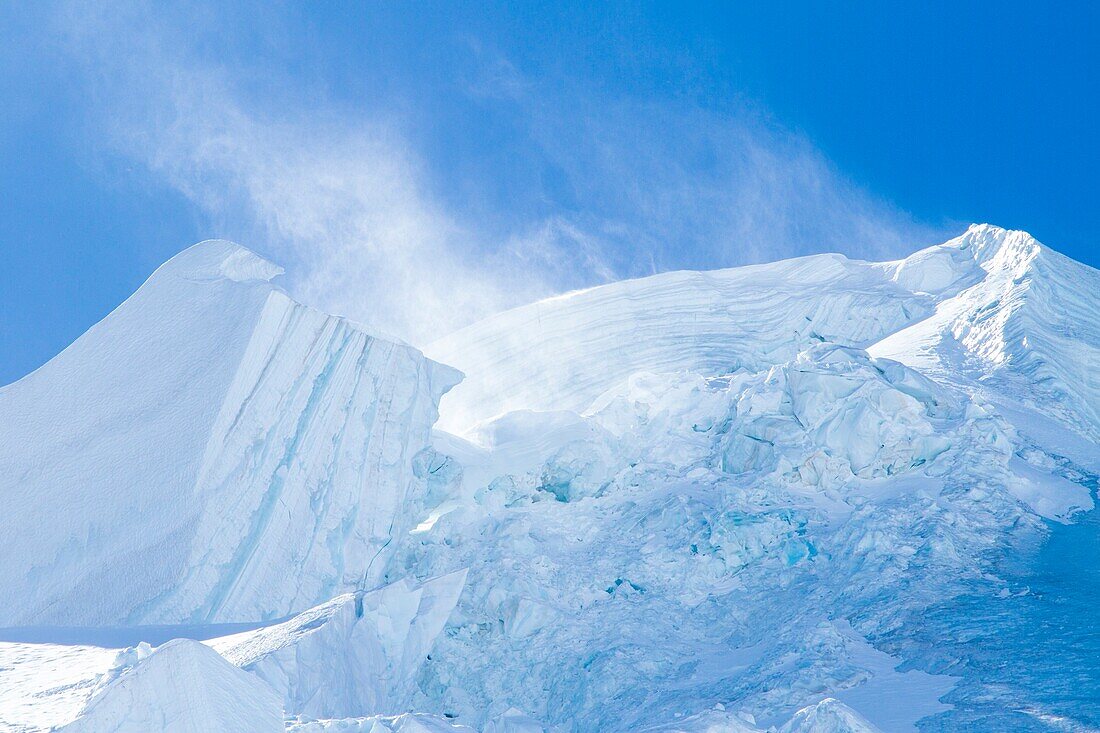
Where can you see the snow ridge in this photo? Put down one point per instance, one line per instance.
(563, 352)
(211, 451)
(1027, 329)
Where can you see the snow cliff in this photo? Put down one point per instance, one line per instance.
(210, 451)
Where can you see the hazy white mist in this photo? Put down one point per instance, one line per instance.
(353, 207)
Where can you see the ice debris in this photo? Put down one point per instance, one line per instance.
(355, 655)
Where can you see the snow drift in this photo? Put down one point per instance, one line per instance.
(181, 687)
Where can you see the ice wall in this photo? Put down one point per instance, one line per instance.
(210, 451)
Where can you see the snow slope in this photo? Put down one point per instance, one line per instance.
(355, 655)
(43, 686)
(1027, 331)
(659, 516)
(181, 687)
(561, 353)
(1002, 306)
(210, 451)
(819, 495)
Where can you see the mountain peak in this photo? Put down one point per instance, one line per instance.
(219, 259)
(994, 247)
(948, 268)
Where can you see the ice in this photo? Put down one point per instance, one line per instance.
(514, 720)
(182, 687)
(405, 723)
(758, 495)
(828, 716)
(357, 654)
(562, 353)
(819, 495)
(717, 720)
(211, 451)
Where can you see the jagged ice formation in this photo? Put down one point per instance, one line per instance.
(819, 495)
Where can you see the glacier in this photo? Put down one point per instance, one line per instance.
(211, 451)
(819, 495)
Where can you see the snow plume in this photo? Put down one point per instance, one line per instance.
(676, 186)
(352, 197)
(347, 205)
(342, 199)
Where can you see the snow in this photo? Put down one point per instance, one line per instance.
(356, 654)
(828, 716)
(1027, 331)
(43, 686)
(182, 687)
(514, 720)
(405, 723)
(211, 451)
(748, 500)
(876, 699)
(562, 353)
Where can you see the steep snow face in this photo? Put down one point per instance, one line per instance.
(562, 353)
(357, 654)
(210, 451)
(1026, 328)
(181, 687)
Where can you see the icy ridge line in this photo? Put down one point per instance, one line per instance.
(257, 455)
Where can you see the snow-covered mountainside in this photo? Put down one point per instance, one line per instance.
(1028, 330)
(210, 451)
(561, 353)
(820, 495)
(1000, 302)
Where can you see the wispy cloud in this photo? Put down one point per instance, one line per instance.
(696, 188)
(626, 186)
(342, 198)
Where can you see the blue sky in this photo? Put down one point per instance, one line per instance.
(416, 166)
